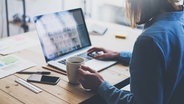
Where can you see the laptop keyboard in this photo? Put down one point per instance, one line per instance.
(83, 55)
(62, 61)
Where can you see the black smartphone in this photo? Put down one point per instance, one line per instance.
(53, 80)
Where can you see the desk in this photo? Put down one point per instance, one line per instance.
(63, 92)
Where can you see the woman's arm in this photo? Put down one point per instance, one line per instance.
(146, 77)
(125, 57)
(147, 72)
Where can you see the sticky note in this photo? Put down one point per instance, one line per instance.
(121, 36)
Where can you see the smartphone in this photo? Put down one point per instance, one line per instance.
(53, 80)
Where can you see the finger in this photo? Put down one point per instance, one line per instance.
(94, 49)
(81, 75)
(81, 80)
(88, 69)
(83, 83)
(81, 72)
(103, 56)
(91, 51)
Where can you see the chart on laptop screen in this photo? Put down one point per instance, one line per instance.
(61, 32)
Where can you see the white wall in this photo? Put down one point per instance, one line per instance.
(110, 10)
(105, 10)
(33, 7)
(2, 19)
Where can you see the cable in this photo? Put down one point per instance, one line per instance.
(7, 21)
(183, 5)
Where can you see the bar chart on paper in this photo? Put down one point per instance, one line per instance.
(11, 64)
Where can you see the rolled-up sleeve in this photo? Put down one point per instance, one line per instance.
(112, 95)
(125, 58)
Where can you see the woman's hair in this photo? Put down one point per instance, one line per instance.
(141, 11)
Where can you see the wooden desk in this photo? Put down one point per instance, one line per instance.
(63, 92)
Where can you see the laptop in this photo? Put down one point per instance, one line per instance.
(64, 34)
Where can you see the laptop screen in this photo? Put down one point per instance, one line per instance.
(62, 32)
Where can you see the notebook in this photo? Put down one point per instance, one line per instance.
(64, 34)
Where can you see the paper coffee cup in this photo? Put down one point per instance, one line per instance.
(72, 65)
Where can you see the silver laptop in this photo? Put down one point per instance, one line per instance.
(64, 34)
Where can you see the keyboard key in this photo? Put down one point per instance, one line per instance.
(83, 55)
(62, 61)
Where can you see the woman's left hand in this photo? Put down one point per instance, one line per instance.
(89, 78)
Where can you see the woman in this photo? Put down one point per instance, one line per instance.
(157, 61)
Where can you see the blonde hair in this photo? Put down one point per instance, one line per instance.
(135, 9)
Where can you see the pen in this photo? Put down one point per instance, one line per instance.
(41, 72)
(60, 72)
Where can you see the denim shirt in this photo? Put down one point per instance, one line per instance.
(156, 65)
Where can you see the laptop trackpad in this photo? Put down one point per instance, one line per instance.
(99, 65)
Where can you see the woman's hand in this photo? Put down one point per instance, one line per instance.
(89, 78)
(106, 55)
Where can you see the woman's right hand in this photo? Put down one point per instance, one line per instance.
(105, 54)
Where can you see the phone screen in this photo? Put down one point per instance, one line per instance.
(43, 79)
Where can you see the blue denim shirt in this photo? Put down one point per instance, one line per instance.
(156, 66)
